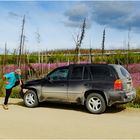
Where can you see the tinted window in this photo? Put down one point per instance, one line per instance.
(86, 74)
(80, 72)
(124, 72)
(59, 74)
(77, 73)
(100, 73)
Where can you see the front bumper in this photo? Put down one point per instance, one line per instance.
(117, 97)
(22, 92)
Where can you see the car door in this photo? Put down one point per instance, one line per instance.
(78, 82)
(55, 85)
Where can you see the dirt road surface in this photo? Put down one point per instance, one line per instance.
(63, 121)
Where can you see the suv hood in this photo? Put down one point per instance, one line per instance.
(33, 82)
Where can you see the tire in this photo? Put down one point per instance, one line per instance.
(30, 99)
(95, 103)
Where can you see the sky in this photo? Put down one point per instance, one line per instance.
(51, 25)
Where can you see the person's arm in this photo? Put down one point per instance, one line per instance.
(5, 79)
(20, 81)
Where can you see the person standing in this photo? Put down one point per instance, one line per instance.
(12, 79)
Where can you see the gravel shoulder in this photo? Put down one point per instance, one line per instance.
(65, 121)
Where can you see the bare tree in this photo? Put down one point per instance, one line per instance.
(128, 46)
(21, 42)
(90, 53)
(39, 52)
(78, 41)
(4, 60)
(103, 43)
(38, 43)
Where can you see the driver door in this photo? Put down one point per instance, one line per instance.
(56, 85)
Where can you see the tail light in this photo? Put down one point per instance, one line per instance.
(118, 84)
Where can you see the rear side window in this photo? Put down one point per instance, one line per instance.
(101, 73)
(77, 73)
(124, 72)
(80, 73)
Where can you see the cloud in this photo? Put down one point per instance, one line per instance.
(114, 14)
(77, 12)
(76, 15)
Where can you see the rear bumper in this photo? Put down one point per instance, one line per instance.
(117, 97)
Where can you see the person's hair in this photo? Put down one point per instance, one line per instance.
(18, 70)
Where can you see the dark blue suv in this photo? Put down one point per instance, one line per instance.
(94, 85)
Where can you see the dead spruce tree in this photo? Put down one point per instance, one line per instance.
(21, 42)
(78, 42)
(103, 45)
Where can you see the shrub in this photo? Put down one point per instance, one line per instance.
(2, 89)
(15, 92)
(136, 102)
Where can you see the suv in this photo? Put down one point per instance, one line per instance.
(94, 85)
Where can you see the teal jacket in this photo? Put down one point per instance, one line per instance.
(11, 78)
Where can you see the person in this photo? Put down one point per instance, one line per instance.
(12, 79)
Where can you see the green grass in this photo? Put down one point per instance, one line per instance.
(2, 89)
(136, 102)
(132, 105)
(15, 92)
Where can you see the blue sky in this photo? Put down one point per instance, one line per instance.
(58, 22)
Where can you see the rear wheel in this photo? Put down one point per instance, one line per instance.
(30, 99)
(95, 103)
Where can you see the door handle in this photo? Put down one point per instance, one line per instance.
(86, 85)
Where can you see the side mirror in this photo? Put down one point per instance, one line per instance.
(49, 79)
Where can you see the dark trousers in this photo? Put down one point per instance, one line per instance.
(8, 93)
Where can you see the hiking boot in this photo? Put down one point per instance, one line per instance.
(5, 106)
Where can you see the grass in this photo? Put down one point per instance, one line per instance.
(132, 105)
(136, 102)
(15, 92)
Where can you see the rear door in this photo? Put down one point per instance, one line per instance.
(78, 82)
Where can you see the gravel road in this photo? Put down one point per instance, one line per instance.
(63, 121)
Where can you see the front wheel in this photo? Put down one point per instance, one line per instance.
(30, 99)
(95, 103)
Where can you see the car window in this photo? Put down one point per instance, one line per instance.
(77, 72)
(100, 72)
(124, 72)
(59, 74)
(80, 72)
